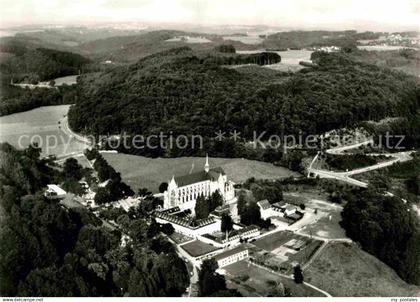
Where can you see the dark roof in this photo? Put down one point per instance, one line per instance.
(231, 252)
(264, 204)
(188, 223)
(192, 178)
(198, 248)
(278, 205)
(171, 210)
(295, 216)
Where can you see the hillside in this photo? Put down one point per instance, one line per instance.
(406, 60)
(345, 270)
(28, 60)
(134, 47)
(139, 171)
(189, 93)
(32, 64)
(301, 39)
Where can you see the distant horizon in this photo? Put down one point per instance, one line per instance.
(360, 15)
(186, 26)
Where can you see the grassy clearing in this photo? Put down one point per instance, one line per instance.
(253, 281)
(139, 171)
(273, 241)
(345, 270)
(327, 227)
(39, 125)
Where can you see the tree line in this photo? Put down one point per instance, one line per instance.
(180, 92)
(387, 228)
(44, 246)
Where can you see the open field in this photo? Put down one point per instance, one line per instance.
(343, 269)
(327, 226)
(273, 241)
(253, 281)
(325, 223)
(289, 59)
(39, 125)
(197, 248)
(244, 39)
(139, 171)
(68, 80)
(327, 220)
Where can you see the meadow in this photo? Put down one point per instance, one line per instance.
(251, 280)
(289, 59)
(139, 171)
(39, 125)
(343, 269)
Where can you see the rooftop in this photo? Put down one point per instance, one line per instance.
(231, 252)
(200, 176)
(185, 222)
(56, 189)
(264, 204)
(198, 248)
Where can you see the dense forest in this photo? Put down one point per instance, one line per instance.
(181, 92)
(15, 99)
(39, 64)
(262, 58)
(406, 60)
(387, 228)
(44, 245)
(23, 62)
(302, 39)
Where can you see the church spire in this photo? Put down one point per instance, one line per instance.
(207, 166)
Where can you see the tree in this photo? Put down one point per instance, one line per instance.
(144, 192)
(201, 208)
(226, 224)
(138, 230)
(215, 200)
(33, 151)
(298, 274)
(167, 229)
(72, 169)
(335, 197)
(210, 282)
(102, 196)
(251, 214)
(73, 186)
(386, 227)
(225, 48)
(380, 182)
(163, 187)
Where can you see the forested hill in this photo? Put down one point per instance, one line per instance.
(50, 251)
(24, 62)
(182, 92)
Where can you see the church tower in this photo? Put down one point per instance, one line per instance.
(207, 166)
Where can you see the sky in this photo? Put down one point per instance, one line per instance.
(387, 15)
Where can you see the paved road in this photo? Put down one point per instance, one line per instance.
(183, 255)
(345, 176)
(64, 123)
(339, 150)
(33, 86)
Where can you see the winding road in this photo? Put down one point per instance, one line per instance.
(346, 176)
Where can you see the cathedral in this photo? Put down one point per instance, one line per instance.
(183, 190)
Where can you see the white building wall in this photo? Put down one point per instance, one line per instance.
(233, 258)
(208, 229)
